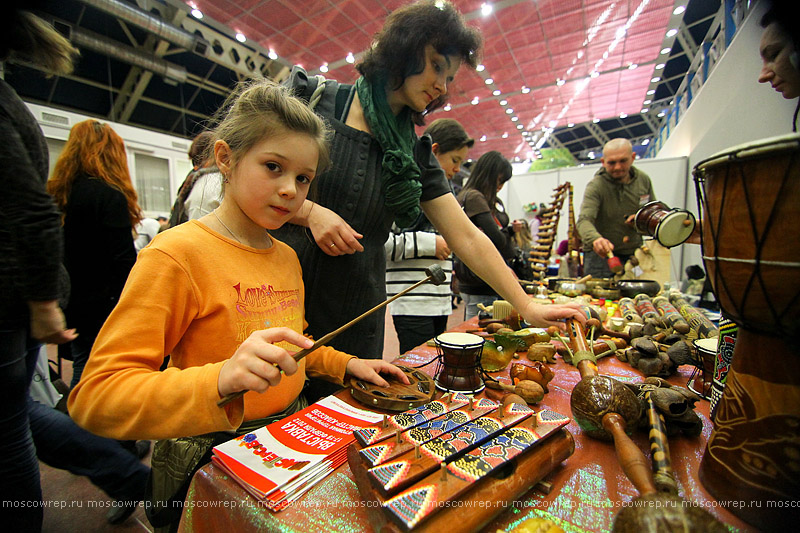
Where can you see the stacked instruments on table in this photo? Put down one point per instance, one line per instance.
(412, 466)
(541, 251)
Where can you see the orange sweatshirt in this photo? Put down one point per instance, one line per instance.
(195, 295)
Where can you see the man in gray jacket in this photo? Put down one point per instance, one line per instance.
(611, 200)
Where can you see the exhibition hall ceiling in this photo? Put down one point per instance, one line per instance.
(554, 73)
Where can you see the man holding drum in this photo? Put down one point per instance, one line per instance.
(614, 195)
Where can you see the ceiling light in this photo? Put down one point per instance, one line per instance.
(240, 37)
(595, 120)
(560, 82)
(447, 107)
(504, 135)
(519, 126)
(503, 102)
(655, 80)
(672, 32)
(514, 119)
(590, 155)
(323, 67)
(552, 123)
(272, 55)
(488, 81)
(483, 138)
(496, 92)
(594, 74)
(632, 66)
(647, 102)
(571, 124)
(645, 110)
(580, 54)
(651, 92)
(645, 142)
(660, 66)
(678, 10)
(486, 9)
(623, 115)
(525, 90)
(509, 111)
(666, 50)
(439, 4)
(475, 101)
(661, 114)
(196, 13)
(350, 58)
(480, 68)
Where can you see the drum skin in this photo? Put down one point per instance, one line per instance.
(750, 200)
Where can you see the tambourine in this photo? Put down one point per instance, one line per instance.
(398, 396)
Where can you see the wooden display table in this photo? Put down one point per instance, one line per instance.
(588, 489)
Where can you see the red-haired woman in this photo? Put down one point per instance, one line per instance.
(92, 186)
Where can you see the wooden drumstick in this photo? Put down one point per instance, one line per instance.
(435, 275)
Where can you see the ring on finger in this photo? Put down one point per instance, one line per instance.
(333, 244)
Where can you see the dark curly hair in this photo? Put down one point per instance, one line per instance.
(398, 49)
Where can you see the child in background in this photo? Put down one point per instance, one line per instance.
(220, 295)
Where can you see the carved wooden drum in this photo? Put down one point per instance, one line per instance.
(749, 199)
(670, 227)
(458, 367)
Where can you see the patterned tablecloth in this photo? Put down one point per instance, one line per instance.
(588, 489)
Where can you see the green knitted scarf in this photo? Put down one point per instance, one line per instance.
(396, 136)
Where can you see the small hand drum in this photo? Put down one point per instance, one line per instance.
(398, 396)
(668, 226)
(701, 378)
(458, 367)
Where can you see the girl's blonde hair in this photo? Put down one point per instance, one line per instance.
(262, 108)
(93, 149)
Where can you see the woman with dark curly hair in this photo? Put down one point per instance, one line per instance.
(92, 186)
(383, 173)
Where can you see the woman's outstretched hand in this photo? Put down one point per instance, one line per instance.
(542, 316)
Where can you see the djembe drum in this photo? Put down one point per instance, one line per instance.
(458, 366)
(749, 197)
(705, 352)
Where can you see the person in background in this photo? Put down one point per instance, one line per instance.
(422, 314)
(477, 198)
(382, 173)
(92, 187)
(224, 299)
(780, 52)
(32, 278)
(145, 231)
(202, 163)
(612, 198)
(163, 222)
